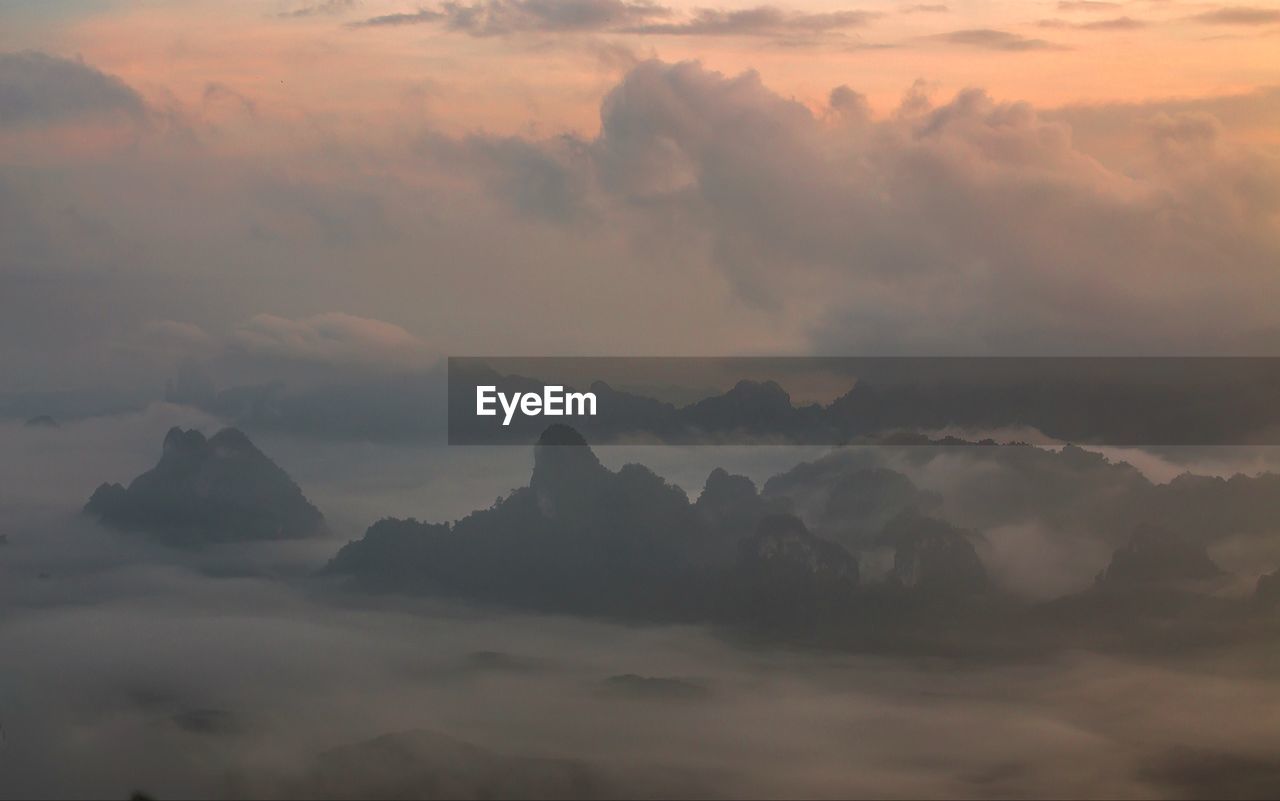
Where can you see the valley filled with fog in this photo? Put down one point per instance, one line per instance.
(253, 669)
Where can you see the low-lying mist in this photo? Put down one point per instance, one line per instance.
(235, 671)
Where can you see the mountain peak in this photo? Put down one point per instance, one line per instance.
(178, 439)
(560, 434)
(202, 490)
(565, 470)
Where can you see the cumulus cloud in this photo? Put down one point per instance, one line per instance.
(36, 88)
(961, 224)
(971, 198)
(547, 180)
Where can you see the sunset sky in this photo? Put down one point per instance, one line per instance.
(376, 184)
(246, 247)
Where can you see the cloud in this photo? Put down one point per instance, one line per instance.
(499, 17)
(1113, 24)
(545, 180)
(217, 93)
(317, 699)
(230, 673)
(759, 21)
(396, 20)
(961, 224)
(172, 341)
(174, 331)
(893, 214)
(505, 17)
(1248, 115)
(331, 338)
(1086, 5)
(990, 39)
(36, 88)
(926, 8)
(1239, 15)
(324, 8)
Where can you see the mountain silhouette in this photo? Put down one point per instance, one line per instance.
(219, 489)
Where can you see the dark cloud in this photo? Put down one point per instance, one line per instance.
(759, 21)
(498, 17)
(37, 88)
(505, 17)
(1239, 15)
(991, 39)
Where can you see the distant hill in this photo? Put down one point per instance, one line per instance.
(219, 489)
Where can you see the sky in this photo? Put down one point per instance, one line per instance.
(332, 187)
(200, 200)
